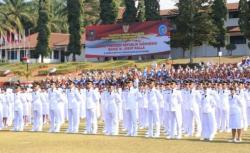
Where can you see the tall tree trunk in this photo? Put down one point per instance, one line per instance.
(191, 53)
(42, 57)
(74, 57)
(218, 50)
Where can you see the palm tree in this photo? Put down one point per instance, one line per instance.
(5, 26)
(91, 13)
(19, 13)
(59, 16)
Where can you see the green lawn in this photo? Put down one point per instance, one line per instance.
(43, 142)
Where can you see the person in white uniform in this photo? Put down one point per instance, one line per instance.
(1, 109)
(26, 108)
(248, 102)
(236, 122)
(143, 106)
(45, 105)
(10, 102)
(92, 98)
(111, 111)
(243, 94)
(223, 108)
(124, 96)
(74, 99)
(18, 110)
(175, 113)
(103, 94)
(5, 105)
(208, 120)
(83, 103)
(154, 100)
(131, 104)
(55, 101)
(37, 109)
(193, 112)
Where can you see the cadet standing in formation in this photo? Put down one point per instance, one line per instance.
(178, 108)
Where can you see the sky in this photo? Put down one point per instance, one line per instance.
(167, 4)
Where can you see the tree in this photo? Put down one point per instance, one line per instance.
(129, 16)
(108, 11)
(19, 14)
(74, 21)
(58, 20)
(230, 48)
(5, 26)
(152, 10)
(244, 17)
(43, 28)
(219, 15)
(91, 11)
(141, 11)
(193, 24)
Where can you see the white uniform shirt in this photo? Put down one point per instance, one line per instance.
(175, 100)
(36, 100)
(18, 105)
(132, 99)
(155, 99)
(92, 98)
(207, 104)
(74, 98)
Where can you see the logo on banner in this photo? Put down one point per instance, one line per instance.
(91, 34)
(163, 30)
(125, 28)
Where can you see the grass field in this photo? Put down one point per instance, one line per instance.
(43, 142)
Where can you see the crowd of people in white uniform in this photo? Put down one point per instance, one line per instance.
(200, 101)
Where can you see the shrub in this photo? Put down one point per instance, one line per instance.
(43, 72)
(2, 74)
(64, 71)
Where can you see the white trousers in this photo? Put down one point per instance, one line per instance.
(73, 120)
(125, 119)
(1, 117)
(37, 120)
(193, 118)
(224, 120)
(131, 122)
(91, 121)
(18, 120)
(175, 123)
(208, 125)
(112, 122)
(153, 121)
(143, 117)
(167, 122)
(248, 115)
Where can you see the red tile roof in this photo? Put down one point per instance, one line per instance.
(232, 6)
(56, 39)
(233, 29)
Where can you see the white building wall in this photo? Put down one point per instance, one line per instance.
(209, 51)
(232, 22)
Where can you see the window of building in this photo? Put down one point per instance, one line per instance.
(233, 14)
(56, 54)
(12, 55)
(22, 53)
(3, 54)
(238, 40)
(33, 54)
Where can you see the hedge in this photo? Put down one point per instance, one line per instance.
(64, 71)
(43, 72)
